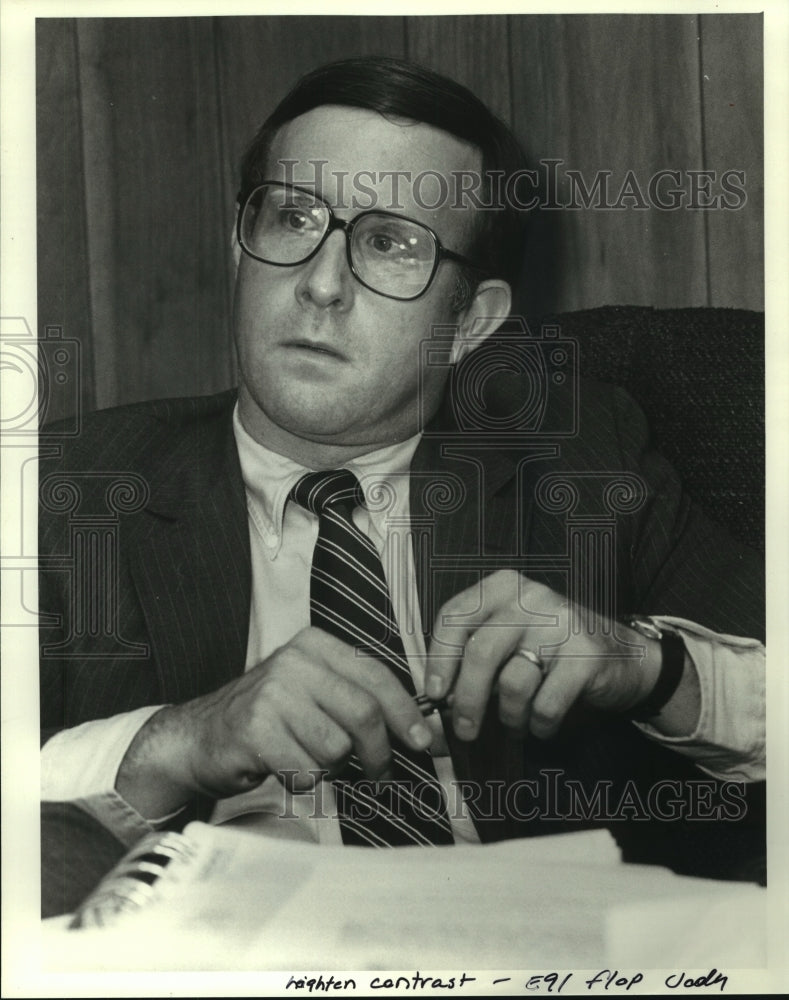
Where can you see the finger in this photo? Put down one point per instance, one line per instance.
(517, 685)
(279, 735)
(305, 779)
(502, 592)
(361, 717)
(350, 717)
(486, 650)
(562, 687)
(457, 620)
(322, 738)
(284, 757)
(350, 674)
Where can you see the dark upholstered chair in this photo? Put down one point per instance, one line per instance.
(698, 374)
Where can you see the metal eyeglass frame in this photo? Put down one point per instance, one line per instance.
(441, 252)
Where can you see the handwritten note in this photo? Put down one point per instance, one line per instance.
(606, 980)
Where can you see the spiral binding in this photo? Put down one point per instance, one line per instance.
(132, 883)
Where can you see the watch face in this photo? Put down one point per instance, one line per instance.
(646, 627)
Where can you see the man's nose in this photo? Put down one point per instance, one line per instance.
(326, 280)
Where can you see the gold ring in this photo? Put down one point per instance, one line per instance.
(534, 658)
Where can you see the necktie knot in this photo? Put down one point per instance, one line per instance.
(319, 491)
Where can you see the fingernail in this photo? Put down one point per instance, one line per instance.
(434, 686)
(420, 736)
(465, 727)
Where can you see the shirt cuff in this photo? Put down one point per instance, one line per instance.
(80, 765)
(728, 742)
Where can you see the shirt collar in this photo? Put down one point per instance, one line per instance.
(269, 477)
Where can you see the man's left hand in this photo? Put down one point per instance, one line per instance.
(476, 642)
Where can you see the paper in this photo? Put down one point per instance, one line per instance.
(250, 902)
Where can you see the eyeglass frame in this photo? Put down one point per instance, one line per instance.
(347, 226)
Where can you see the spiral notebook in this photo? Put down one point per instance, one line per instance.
(214, 898)
(164, 865)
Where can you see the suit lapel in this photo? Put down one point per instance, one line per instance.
(487, 518)
(192, 564)
(471, 508)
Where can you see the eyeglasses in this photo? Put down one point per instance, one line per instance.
(392, 255)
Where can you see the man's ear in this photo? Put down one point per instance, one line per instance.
(483, 316)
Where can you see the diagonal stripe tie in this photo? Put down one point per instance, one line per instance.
(349, 598)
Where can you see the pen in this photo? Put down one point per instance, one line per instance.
(428, 705)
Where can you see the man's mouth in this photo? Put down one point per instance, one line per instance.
(316, 347)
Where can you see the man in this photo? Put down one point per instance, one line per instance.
(231, 681)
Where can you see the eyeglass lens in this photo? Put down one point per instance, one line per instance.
(391, 255)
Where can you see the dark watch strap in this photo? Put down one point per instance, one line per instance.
(671, 667)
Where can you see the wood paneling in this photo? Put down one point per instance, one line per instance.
(63, 296)
(142, 123)
(155, 222)
(732, 75)
(473, 50)
(613, 93)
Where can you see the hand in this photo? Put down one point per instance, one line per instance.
(479, 652)
(304, 709)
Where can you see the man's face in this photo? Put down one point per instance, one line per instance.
(322, 358)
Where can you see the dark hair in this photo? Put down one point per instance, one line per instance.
(397, 88)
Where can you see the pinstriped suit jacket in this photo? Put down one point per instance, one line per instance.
(146, 577)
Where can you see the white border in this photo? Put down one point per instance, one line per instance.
(18, 298)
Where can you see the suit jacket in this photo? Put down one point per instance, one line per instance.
(145, 585)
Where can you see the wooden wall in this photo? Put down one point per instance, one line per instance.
(141, 123)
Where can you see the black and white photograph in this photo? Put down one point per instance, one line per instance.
(389, 402)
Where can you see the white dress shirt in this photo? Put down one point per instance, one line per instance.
(81, 763)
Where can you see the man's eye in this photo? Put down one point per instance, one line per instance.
(383, 244)
(293, 219)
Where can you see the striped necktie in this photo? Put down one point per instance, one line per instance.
(349, 598)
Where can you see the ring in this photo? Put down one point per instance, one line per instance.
(534, 658)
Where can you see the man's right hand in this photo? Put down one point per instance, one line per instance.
(304, 709)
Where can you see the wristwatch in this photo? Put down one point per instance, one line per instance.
(672, 664)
